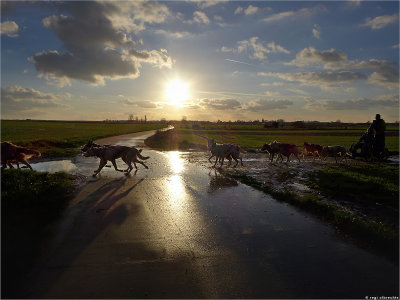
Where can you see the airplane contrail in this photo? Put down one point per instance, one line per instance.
(239, 62)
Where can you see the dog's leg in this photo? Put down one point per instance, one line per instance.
(230, 160)
(237, 162)
(222, 161)
(115, 166)
(126, 161)
(210, 158)
(25, 162)
(101, 165)
(216, 159)
(142, 163)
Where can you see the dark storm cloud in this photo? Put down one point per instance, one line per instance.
(97, 43)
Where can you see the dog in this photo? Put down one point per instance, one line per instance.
(313, 148)
(222, 151)
(282, 150)
(113, 152)
(11, 153)
(335, 151)
(268, 148)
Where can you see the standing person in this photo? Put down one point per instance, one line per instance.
(379, 126)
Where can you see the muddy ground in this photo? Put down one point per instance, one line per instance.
(291, 176)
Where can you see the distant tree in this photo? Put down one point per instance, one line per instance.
(299, 124)
(130, 118)
(145, 118)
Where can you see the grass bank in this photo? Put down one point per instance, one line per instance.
(30, 202)
(57, 138)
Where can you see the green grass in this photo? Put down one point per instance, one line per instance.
(29, 191)
(30, 204)
(250, 140)
(365, 183)
(54, 138)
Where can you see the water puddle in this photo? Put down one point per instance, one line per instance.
(55, 166)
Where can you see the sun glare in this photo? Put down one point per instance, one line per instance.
(177, 92)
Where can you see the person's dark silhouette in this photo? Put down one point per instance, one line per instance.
(379, 126)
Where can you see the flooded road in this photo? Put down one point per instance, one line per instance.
(178, 230)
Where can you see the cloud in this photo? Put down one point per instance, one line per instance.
(316, 31)
(352, 4)
(219, 104)
(133, 15)
(239, 10)
(385, 101)
(279, 16)
(209, 3)
(250, 10)
(200, 17)
(304, 12)
(381, 21)
(386, 73)
(256, 49)
(311, 55)
(260, 104)
(16, 98)
(319, 78)
(143, 103)
(9, 28)
(176, 34)
(397, 46)
(95, 49)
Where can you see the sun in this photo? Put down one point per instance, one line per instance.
(177, 92)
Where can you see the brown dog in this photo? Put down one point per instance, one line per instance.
(282, 150)
(11, 153)
(315, 149)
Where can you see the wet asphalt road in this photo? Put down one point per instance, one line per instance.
(179, 230)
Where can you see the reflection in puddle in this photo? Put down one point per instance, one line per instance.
(175, 185)
(218, 181)
(55, 166)
(177, 192)
(175, 161)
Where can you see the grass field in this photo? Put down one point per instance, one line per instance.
(61, 138)
(254, 136)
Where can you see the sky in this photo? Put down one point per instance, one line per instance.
(202, 60)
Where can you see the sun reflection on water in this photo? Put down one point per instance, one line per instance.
(175, 162)
(175, 185)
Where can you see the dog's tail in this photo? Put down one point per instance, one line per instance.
(141, 156)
